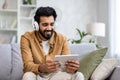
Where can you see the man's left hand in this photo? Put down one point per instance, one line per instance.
(72, 66)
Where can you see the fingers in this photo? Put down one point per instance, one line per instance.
(52, 63)
(72, 68)
(52, 66)
(57, 63)
(72, 65)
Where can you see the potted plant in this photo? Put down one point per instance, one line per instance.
(81, 35)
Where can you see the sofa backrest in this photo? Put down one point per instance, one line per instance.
(11, 65)
(82, 49)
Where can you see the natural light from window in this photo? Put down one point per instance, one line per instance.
(117, 28)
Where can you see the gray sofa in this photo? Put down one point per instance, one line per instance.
(11, 66)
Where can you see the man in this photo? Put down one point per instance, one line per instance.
(39, 48)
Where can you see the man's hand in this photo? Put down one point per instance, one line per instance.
(72, 66)
(49, 66)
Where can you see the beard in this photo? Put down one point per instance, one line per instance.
(46, 33)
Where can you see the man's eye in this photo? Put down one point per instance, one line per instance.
(45, 24)
(52, 24)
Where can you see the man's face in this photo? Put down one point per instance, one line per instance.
(46, 26)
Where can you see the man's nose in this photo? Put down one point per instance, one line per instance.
(49, 27)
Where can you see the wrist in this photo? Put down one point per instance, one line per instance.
(39, 70)
(71, 71)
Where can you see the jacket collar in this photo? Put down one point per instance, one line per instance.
(40, 38)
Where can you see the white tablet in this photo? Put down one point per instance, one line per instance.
(63, 58)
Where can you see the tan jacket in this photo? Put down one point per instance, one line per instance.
(32, 51)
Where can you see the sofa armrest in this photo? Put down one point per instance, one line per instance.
(115, 74)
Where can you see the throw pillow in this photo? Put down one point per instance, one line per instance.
(91, 61)
(104, 69)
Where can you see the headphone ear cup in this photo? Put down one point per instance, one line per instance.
(36, 26)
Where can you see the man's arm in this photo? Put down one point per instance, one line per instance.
(65, 50)
(29, 65)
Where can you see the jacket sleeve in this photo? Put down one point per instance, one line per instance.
(65, 48)
(29, 65)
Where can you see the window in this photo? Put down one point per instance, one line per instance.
(114, 24)
(117, 27)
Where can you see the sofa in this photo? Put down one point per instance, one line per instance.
(11, 66)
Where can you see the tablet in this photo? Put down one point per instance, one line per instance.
(63, 58)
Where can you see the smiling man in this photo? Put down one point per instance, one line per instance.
(40, 46)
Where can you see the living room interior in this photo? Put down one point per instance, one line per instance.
(16, 17)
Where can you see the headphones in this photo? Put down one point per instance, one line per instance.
(35, 25)
(34, 22)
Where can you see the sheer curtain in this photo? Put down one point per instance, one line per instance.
(117, 28)
(114, 24)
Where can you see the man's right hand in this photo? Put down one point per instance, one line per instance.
(49, 66)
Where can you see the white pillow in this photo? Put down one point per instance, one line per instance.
(104, 69)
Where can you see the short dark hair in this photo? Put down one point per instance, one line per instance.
(45, 11)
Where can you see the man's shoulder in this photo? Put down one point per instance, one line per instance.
(29, 34)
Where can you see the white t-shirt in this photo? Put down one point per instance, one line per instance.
(46, 46)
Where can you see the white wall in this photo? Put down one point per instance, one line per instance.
(72, 14)
(102, 16)
(9, 4)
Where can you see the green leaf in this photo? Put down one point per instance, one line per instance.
(79, 32)
(77, 41)
(30, 1)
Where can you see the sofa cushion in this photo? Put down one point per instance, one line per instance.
(104, 69)
(17, 65)
(91, 61)
(82, 49)
(5, 61)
